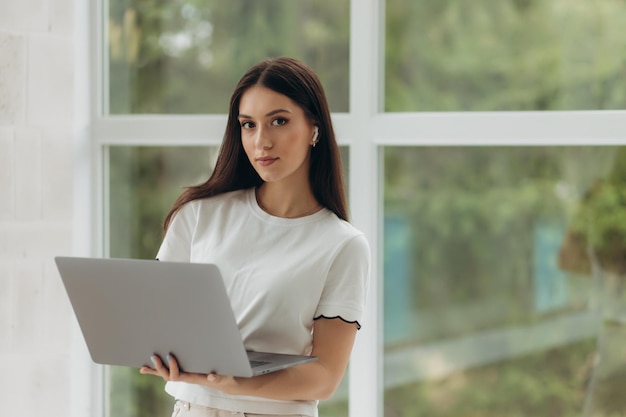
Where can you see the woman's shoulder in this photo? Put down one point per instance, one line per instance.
(229, 197)
(333, 225)
(194, 209)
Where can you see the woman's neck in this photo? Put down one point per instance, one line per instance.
(287, 203)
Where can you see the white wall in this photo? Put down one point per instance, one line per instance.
(36, 163)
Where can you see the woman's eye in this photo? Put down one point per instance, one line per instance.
(279, 122)
(247, 125)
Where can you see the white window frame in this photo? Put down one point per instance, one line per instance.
(365, 130)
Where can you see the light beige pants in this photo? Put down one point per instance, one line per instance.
(185, 409)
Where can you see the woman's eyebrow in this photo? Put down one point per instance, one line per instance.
(273, 112)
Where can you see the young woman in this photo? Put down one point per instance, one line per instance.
(273, 217)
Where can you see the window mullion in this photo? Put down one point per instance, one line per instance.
(536, 128)
(365, 80)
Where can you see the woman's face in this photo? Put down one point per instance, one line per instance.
(276, 135)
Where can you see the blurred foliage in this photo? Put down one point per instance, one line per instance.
(473, 211)
(474, 214)
(598, 230)
(547, 383)
(185, 57)
(144, 182)
(133, 395)
(455, 55)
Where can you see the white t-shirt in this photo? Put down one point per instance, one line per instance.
(280, 274)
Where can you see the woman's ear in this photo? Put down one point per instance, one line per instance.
(314, 139)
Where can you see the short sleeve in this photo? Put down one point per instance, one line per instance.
(347, 282)
(176, 245)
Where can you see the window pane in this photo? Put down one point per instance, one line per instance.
(457, 55)
(185, 57)
(492, 304)
(144, 182)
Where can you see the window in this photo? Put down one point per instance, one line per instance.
(481, 141)
(454, 55)
(186, 57)
(143, 183)
(487, 303)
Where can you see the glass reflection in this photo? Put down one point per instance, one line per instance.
(185, 57)
(493, 55)
(485, 314)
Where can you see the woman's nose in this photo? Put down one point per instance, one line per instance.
(263, 140)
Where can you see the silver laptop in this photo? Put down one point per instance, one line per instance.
(129, 309)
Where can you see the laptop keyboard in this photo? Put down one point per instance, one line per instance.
(254, 364)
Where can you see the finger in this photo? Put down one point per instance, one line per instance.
(148, 371)
(158, 370)
(159, 367)
(174, 373)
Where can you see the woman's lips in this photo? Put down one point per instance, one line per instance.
(266, 161)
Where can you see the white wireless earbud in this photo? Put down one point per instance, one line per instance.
(315, 134)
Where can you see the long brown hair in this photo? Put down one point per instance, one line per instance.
(233, 170)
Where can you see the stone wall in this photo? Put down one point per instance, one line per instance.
(36, 205)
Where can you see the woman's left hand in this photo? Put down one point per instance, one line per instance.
(172, 373)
